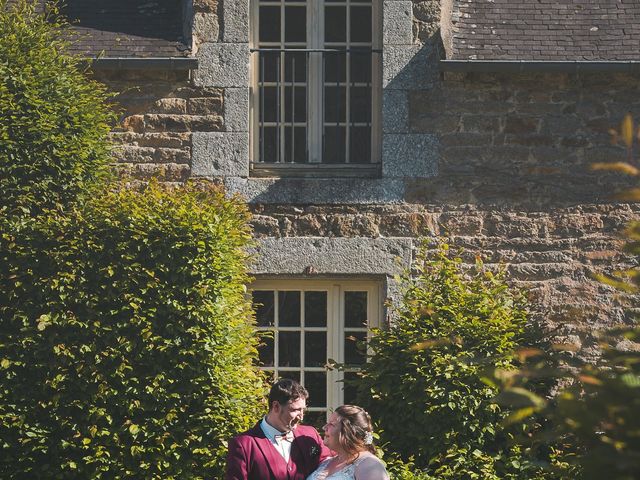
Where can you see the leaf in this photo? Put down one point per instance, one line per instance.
(589, 379)
(520, 397)
(622, 167)
(5, 363)
(134, 429)
(626, 130)
(630, 195)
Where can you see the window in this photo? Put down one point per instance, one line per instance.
(316, 83)
(309, 323)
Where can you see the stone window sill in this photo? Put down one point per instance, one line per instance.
(318, 170)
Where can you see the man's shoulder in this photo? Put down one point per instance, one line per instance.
(306, 431)
(254, 431)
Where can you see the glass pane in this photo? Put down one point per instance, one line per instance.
(335, 109)
(355, 348)
(270, 102)
(265, 351)
(315, 349)
(355, 309)
(292, 374)
(315, 309)
(335, 24)
(360, 61)
(361, 24)
(269, 24)
(335, 67)
(289, 349)
(360, 148)
(289, 308)
(350, 390)
(295, 66)
(268, 144)
(270, 66)
(298, 151)
(316, 384)
(263, 306)
(295, 98)
(334, 144)
(295, 29)
(315, 419)
(360, 104)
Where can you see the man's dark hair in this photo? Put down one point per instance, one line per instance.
(286, 390)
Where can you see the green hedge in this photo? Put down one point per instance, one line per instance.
(126, 338)
(54, 122)
(423, 384)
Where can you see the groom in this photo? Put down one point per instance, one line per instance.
(278, 447)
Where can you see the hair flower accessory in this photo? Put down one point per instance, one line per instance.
(368, 438)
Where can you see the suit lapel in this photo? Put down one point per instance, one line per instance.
(272, 457)
(298, 457)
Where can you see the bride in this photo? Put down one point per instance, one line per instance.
(348, 434)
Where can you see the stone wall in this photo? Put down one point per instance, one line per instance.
(160, 112)
(497, 163)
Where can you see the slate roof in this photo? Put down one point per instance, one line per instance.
(560, 30)
(127, 28)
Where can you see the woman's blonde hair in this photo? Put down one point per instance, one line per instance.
(355, 434)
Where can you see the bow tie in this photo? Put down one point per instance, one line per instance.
(288, 436)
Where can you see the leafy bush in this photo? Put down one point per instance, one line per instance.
(423, 383)
(126, 340)
(53, 121)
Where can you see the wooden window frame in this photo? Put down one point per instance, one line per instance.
(335, 328)
(316, 166)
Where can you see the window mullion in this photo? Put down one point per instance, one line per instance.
(315, 34)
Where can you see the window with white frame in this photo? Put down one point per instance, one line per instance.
(316, 83)
(309, 323)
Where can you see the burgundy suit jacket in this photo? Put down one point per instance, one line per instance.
(252, 456)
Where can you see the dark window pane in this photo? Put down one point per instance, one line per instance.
(270, 103)
(316, 384)
(350, 390)
(268, 144)
(297, 136)
(335, 24)
(335, 67)
(295, 66)
(295, 24)
(269, 24)
(355, 309)
(360, 148)
(295, 98)
(315, 349)
(289, 349)
(360, 61)
(292, 374)
(263, 305)
(360, 104)
(361, 24)
(266, 351)
(315, 309)
(355, 348)
(269, 66)
(289, 308)
(334, 144)
(335, 108)
(315, 419)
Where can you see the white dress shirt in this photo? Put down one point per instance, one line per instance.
(282, 443)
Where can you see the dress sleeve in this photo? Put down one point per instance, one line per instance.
(371, 469)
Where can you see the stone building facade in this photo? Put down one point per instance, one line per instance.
(488, 117)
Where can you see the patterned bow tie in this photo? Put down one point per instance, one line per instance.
(287, 436)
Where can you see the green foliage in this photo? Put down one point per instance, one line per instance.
(126, 339)
(53, 121)
(423, 384)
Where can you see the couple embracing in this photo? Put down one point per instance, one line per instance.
(279, 448)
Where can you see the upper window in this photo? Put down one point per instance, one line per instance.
(316, 82)
(311, 323)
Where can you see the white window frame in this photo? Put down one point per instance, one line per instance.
(315, 39)
(335, 324)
